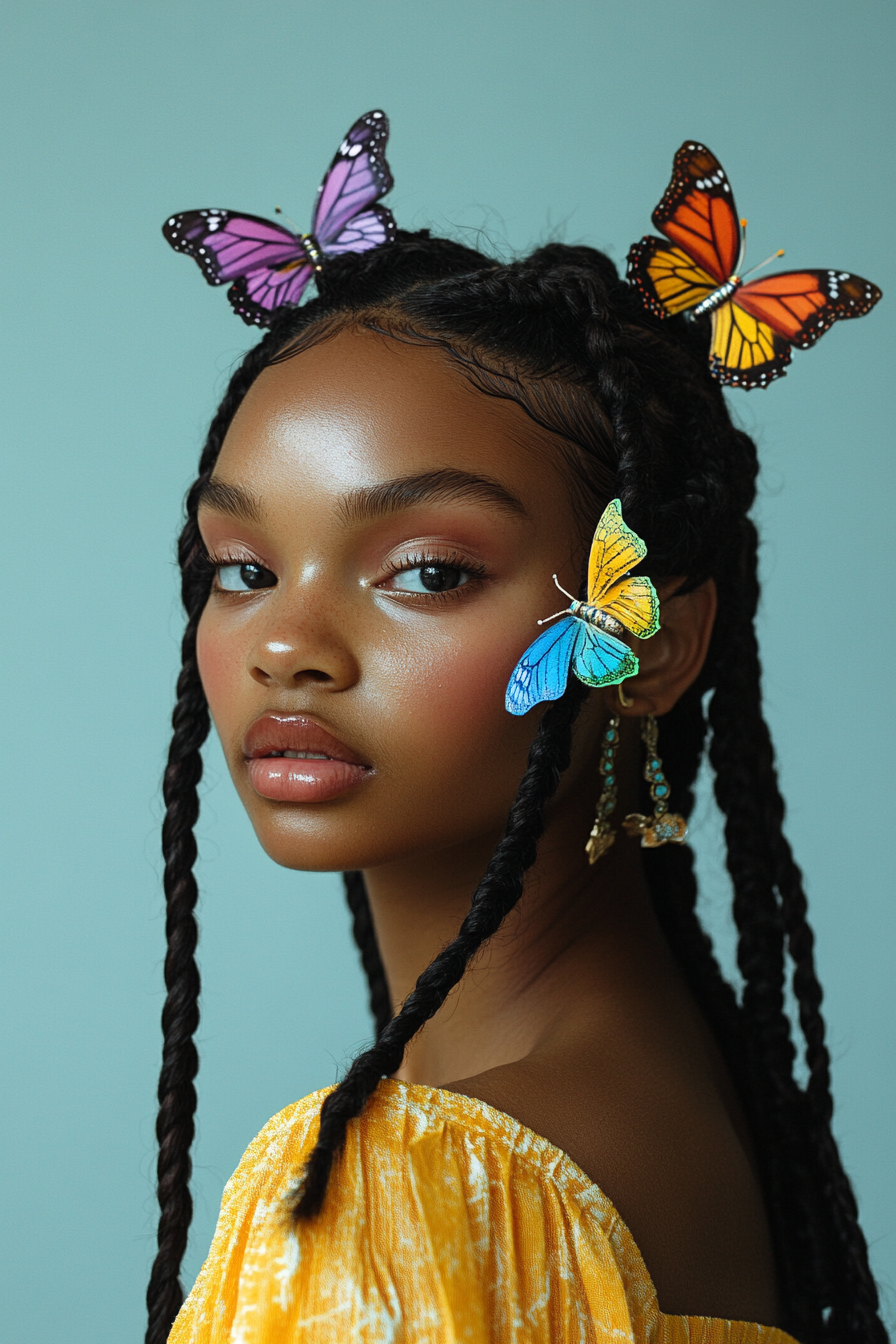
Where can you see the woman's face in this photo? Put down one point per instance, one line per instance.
(385, 537)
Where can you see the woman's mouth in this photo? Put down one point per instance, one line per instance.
(291, 759)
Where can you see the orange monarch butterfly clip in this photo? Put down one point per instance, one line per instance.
(754, 324)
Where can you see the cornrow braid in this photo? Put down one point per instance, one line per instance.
(633, 412)
(497, 894)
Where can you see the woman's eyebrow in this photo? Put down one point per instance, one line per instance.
(428, 487)
(376, 501)
(233, 500)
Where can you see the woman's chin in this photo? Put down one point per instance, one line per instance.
(314, 845)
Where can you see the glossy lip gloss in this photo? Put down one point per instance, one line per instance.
(291, 759)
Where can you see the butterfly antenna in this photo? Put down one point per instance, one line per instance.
(743, 246)
(278, 211)
(774, 255)
(562, 589)
(557, 613)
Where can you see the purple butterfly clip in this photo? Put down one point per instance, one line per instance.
(270, 266)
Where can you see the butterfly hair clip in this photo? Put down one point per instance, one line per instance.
(588, 635)
(755, 323)
(270, 266)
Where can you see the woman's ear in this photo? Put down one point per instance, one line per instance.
(673, 658)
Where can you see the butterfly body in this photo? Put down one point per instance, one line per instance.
(594, 616)
(269, 266)
(312, 250)
(718, 296)
(587, 636)
(696, 269)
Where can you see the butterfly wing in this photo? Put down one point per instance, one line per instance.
(668, 280)
(265, 261)
(543, 670)
(258, 295)
(227, 245)
(697, 211)
(745, 352)
(370, 229)
(358, 176)
(614, 551)
(600, 660)
(634, 603)
(802, 305)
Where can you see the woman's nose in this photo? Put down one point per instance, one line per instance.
(291, 653)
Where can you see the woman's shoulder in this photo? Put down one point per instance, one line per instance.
(445, 1219)
(665, 1149)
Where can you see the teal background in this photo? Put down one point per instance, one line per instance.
(525, 120)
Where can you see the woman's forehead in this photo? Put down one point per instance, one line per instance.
(361, 406)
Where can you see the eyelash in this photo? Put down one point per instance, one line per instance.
(418, 559)
(397, 565)
(215, 563)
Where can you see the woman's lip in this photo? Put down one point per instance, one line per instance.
(303, 781)
(273, 734)
(318, 767)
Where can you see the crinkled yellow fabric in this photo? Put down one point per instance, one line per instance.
(446, 1221)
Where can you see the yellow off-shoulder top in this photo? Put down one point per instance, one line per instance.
(446, 1221)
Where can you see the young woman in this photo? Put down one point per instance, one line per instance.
(569, 1128)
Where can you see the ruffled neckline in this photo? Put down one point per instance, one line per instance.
(462, 1109)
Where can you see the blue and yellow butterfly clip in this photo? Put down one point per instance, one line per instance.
(587, 636)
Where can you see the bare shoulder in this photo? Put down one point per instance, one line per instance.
(663, 1146)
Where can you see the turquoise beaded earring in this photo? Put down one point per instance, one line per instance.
(664, 827)
(602, 833)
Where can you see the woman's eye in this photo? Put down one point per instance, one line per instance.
(431, 578)
(244, 578)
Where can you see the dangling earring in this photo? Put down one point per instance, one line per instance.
(664, 826)
(602, 833)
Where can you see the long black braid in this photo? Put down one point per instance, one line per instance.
(180, 1014)
(634, 413)
(365, 936)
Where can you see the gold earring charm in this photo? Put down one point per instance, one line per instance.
(664, 827)
(602, 833)
(625, 701)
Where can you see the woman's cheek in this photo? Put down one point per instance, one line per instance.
(221, 669)
(453, 756)
(453, 693)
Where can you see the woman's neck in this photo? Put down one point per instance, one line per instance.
(579, 938)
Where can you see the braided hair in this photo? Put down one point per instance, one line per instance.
(636, 414)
